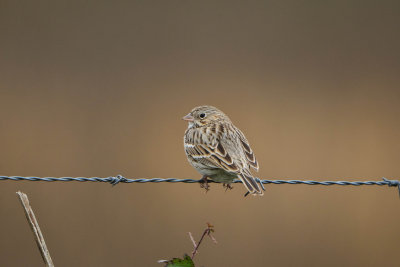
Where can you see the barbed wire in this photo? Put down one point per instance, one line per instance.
(114, 180)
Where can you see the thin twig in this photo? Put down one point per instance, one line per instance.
(191, 238)
(30, 216)
(208, 231)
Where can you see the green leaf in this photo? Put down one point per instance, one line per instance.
(176, 262)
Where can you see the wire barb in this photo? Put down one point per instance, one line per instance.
(117, 179)
(392, 183)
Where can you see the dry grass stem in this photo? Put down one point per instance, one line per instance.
(30, 216)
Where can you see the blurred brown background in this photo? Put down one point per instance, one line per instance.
(99, 88)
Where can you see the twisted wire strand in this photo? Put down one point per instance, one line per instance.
(120, 179)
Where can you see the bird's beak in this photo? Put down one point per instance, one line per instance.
(188, 117)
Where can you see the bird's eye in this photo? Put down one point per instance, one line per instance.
(202, 115)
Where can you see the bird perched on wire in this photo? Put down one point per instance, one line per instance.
(218, 150)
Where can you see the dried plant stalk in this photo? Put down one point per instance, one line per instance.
(30, 216)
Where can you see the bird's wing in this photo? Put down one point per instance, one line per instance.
(251, 158)
(214, 156)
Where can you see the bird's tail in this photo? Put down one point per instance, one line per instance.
(251, 184)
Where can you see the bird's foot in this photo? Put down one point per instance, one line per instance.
(204, 183)
(227, 187)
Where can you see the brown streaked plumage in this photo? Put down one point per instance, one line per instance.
(218, 149)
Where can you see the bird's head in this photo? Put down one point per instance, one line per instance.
(203, 115)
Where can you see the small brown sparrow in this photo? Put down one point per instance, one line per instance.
(218, 150)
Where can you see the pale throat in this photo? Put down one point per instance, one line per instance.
(190, 124)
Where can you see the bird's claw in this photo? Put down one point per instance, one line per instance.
(204, 183)
(227, 187)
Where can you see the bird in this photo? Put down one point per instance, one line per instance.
(218, 150)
